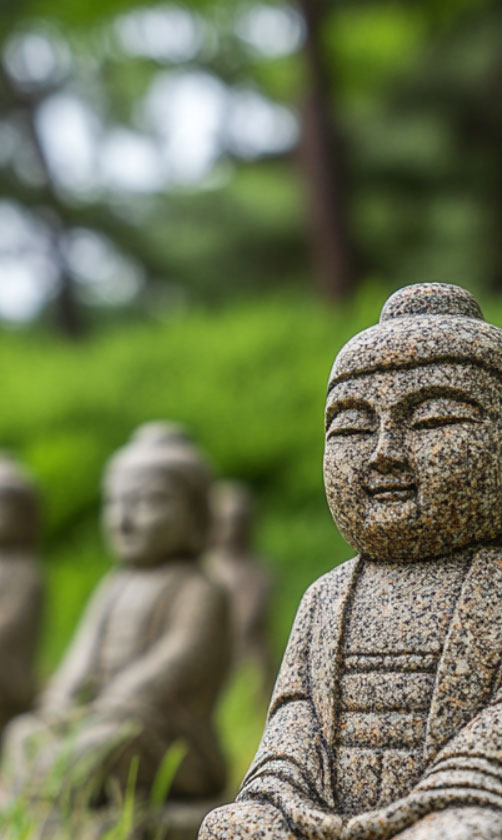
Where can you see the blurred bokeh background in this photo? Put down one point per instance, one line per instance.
(199, 203)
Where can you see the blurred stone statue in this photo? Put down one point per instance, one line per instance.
(151, 652)
(386, 719)
(236, 567)
(21, 589)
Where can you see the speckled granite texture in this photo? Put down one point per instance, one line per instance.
(386, 718)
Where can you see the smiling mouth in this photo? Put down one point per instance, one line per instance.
(392, 492)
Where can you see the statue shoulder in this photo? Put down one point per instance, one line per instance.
(21, 573)
(324, 592)
(332, 581)
(194, 580)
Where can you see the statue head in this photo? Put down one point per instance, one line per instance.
(413, 455)
(232, 514)
(156, 497)
(19, 506)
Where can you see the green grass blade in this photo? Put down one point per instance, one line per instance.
(166, 773)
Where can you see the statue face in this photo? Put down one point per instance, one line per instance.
(146, 515)
(231, 525)
(413, 460)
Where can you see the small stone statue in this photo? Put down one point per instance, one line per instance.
(233, 564)
(21, 589)
(386, 719)
(149, 657)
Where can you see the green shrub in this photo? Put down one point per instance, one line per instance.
(248, 380)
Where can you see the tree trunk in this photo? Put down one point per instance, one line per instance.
(68, 314)
(323, 164)
(69, 318)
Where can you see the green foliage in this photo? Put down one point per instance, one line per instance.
(241, 718)
(410, 88)
(166, 773)
(370, 43)
(125, 825)
(249, 382)
(63, 810)
(16, 823)
(413, 98)
(77, 13)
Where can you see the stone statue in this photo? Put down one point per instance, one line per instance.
(21, 589)
(152, 649)
(386, 718)
(234, 565)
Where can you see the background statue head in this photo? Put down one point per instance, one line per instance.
(19, 506)
(156, 497)
(413, 456)
(232, 511)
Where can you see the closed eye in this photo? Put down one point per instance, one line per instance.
(441, 411)
(155, 496)
(351, 421)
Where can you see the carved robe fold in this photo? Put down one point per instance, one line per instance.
(295, 786)
(149, 656)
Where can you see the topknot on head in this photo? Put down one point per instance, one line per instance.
(431, 299)
(160, 444)
(420, 325)
(158, 432)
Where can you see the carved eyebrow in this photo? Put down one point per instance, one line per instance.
(434, 392)
(345, 404)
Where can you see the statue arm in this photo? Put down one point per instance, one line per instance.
(20, 619)
(21, 605)
(193, 649)
(463, 783)
(286, 793)
(74, 676)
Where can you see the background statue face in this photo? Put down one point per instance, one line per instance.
(147, 517)
(232, 512)
(413, 460)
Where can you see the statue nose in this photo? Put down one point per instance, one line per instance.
(389, 454)
(123, 517)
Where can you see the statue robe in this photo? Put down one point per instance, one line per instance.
(288, 792)
(150, 655)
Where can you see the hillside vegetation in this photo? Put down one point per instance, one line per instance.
(249, 381)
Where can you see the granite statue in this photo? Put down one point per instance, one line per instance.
(233, 563)
(152, 649)
(21, 589)
(386, 718)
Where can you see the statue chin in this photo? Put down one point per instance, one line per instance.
(388, 546)
(402, 532)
